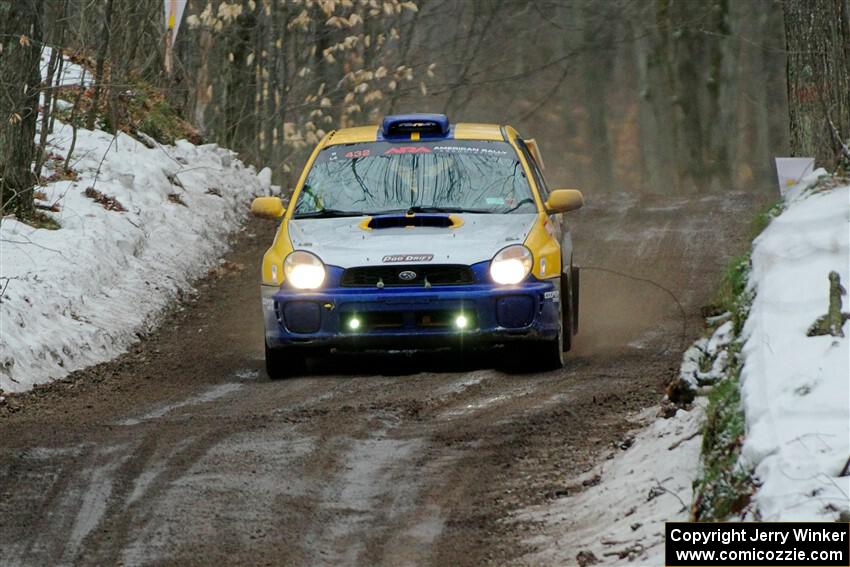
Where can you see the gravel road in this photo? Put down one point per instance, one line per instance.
(182, 452)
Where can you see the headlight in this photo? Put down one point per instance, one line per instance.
(511, 265)
(304, 270)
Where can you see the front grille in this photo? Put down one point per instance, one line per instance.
(416, 275)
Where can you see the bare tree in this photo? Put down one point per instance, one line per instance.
(101, 62)
(817, 36)
(660, 95)
(55, 37)
(20, 34)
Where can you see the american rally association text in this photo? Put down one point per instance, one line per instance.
(754, 533)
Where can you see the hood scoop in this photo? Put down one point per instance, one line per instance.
(417, 220)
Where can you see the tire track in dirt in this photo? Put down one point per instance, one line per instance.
(182, 452)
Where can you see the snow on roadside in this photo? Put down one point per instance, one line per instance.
(70, 75)
(621, 519)
(713, 348)
(796, 389)
(796, 396)
(79, 295)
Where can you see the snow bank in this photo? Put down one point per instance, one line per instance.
(796, 396)
(621, 519)
(79, 295)
(69, 75)
(796, 389)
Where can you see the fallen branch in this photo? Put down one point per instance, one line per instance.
(675, 445)
(661, 487)
(634, 549)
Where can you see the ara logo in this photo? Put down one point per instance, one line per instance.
(395, 258)
(407, 275)
(407, 150)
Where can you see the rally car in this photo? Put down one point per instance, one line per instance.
(420, 234)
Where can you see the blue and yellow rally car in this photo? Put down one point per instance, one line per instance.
(420, 234)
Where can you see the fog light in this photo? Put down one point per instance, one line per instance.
(354, 323)
(461, 321)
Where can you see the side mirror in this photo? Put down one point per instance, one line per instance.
(564, 200)
(267, 207)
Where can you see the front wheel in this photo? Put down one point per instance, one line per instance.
(569, 314)
(547, 355)
(284, 363)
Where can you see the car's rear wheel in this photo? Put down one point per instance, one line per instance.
(284, 363)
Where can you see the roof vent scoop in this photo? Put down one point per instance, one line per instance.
(400, 126)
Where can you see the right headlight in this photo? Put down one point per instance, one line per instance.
(511, 265)
(304, 270)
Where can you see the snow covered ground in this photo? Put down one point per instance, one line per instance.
(621, 519)
(796, 389)
(79, 295)
(796, 395)
(69, 75)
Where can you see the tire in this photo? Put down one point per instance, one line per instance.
(567, 315)
(575, 284)
(549, 354)
(284, 363)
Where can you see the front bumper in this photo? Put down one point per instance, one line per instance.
(415, 318)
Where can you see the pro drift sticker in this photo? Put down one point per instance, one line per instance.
(395, 258)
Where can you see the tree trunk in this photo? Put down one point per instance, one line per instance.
(817, 38)
(55, 56)
(20, 34)
(597, 66)
(241, 86)
(99, 66)
(655, 87)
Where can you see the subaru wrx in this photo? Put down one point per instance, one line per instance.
(420, 234)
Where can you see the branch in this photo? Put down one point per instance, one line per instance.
(663, 488)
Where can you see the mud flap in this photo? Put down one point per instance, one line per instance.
(574, 280)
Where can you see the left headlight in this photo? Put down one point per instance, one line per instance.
(511, 265)
(304, 270)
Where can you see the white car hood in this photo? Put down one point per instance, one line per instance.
(342, 242)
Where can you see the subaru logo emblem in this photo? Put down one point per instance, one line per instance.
(407, 275)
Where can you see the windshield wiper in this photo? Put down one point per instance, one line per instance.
(329, 213)
(525, 201)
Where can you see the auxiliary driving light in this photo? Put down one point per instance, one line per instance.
(461, 321)
(354, 323)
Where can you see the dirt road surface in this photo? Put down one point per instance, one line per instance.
(182, 452)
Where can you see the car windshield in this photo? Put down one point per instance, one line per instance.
(433, 176)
